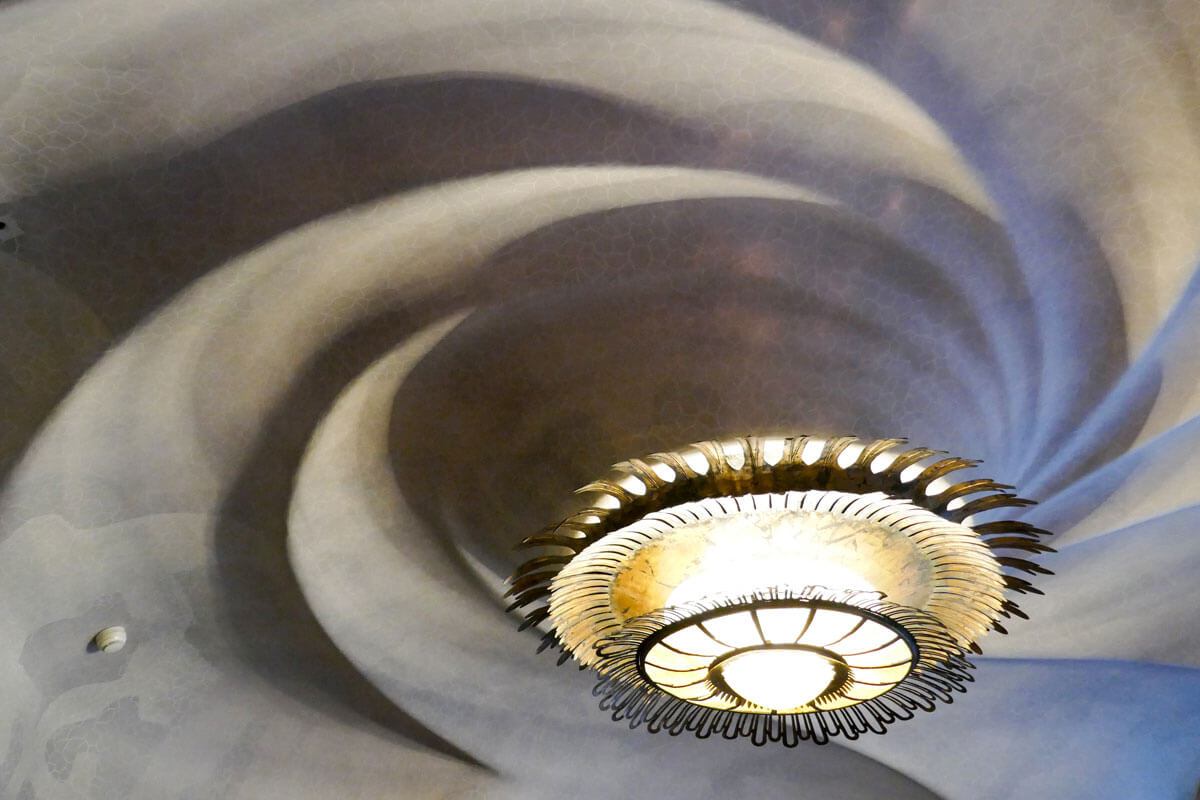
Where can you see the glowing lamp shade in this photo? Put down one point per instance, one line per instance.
(777, 655)
(838, 605)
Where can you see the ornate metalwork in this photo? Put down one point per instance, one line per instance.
(917, 557)
(938, 670)
(973, 567)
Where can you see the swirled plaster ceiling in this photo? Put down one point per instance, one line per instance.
(309, 310)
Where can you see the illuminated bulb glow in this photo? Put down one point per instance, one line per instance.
(778, 679)
(729, 547)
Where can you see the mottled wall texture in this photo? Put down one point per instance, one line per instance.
(310, 310)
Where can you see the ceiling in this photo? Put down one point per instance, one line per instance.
(310, 310)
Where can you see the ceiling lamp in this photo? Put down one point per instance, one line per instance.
(782, 589)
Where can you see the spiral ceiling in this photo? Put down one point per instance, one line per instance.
(310, 310)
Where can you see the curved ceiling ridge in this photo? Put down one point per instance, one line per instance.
(180, 106)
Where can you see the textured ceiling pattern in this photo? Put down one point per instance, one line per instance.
(309, 311)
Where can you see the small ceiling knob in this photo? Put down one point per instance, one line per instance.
(110, 640)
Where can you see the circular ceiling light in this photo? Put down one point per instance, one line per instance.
(781, 589)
